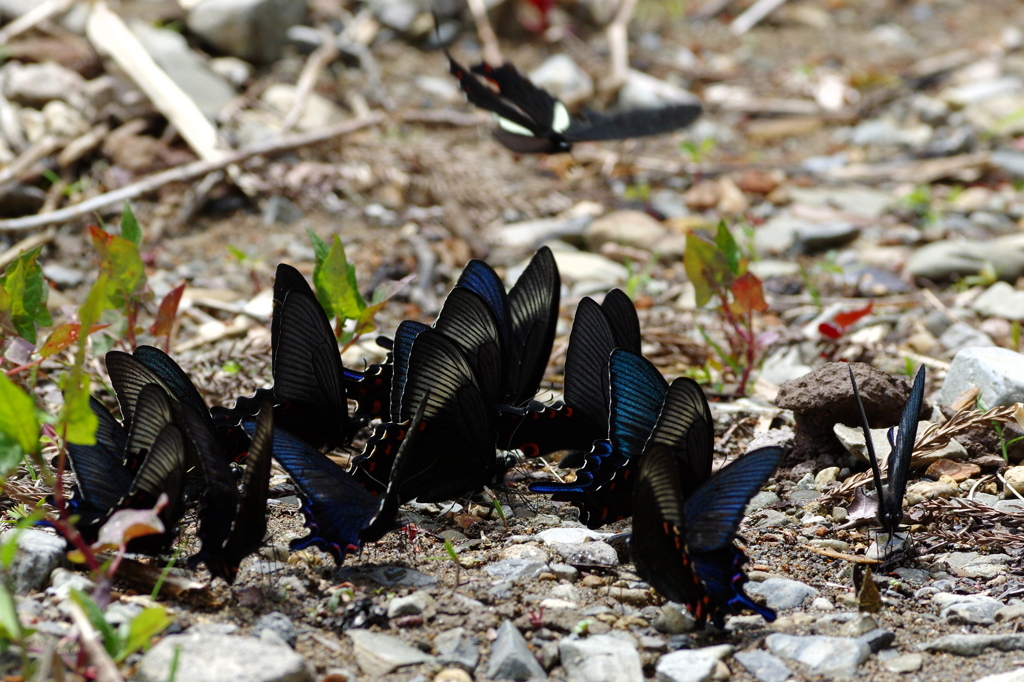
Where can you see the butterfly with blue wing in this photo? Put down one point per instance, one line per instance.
(685, 518)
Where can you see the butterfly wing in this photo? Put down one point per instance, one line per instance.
(686, 425)
(633, 123)
(658, 543)
(335, 507)
(586, 366)
(175, 379)
(128, 375)
(308, 374)
(250, 519)
(162, 471)
(622, 320)
(153, 411)
(387, 510)
(455, 452)
(481, 279)
(899, 457)
(533, 311)
(713, 514)
(404, 338)
(467, 320)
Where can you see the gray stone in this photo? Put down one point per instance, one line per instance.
(1010, 162)
(600, 658)
(973, 645)
(816, 237)
(378, 654)
(771, 518)
(878, 639)
(765, 498)
(858, 200)
(39, 553)
(397, 15)
(907, 663)
(221, 658)
(171, 52)
(564, 79)
(516, 569)
(695, 665)
(511, 658)
(34, 85)
(961, 335)
(594, 553)
(832, 657)
(454, 647)
(630, 228)
(553, 536)
(318, 111)
(1010, 612)
(62, 581)
(782, 593)
(674, 619)
(279, 624)
(764, 666)
(888, 132)
(254, 30)
(531, 234)
(598, 272)
(967, 608)
(952, 259)
(414, 604)
(1000, 300)
(1015, 675)
(393, 576)
(778, 234)
(998, 372)
(641, 91)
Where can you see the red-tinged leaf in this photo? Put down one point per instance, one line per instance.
(706, 266)
(748, 294)
(167, 312)
(830, 330)
(845, 320)
(65, 335)
(121, 262)
(125, 525)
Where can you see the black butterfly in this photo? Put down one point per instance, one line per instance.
(129, 469)
(683, 542)
(527, 317)
(602, 489)
(455, 453)
(232, 526)
(309, 392)
(339, 512)
(890, 496)
(531, 121)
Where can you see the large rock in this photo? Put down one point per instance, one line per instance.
(378, 654)
(254, 30)
(511, 658)
(824, 397)
(221, 658)
(952, 259)
(38, 554)
(997, 372)
(600, 658)
(831, 657)
(782, 593)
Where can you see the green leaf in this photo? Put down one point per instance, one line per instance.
(27, 292)
(730, 249)
(706, 266)
(18, 421)
(130, 228)
(237, 253)
(95, 616)
(80, 419)
(320, 248)
(143, 628)
(10, 625)
(121, 262)
(336, 286)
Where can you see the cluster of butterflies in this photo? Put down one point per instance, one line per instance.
(450, 407)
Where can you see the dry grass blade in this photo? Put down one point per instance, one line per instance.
(933, 439)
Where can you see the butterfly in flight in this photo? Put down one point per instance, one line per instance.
(890, 495)
(685, 518)
(532, 121)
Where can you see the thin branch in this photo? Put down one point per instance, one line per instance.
(317, 62)
(187, 172)
(32, 18)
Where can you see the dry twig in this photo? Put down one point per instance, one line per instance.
(187, 172)
(931, 440)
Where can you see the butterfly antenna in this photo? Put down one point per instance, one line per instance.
(875, 472)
